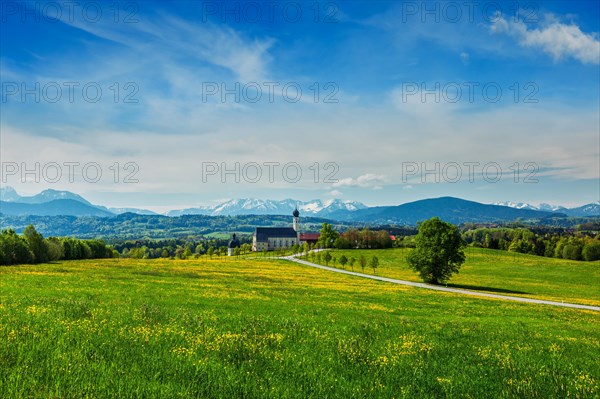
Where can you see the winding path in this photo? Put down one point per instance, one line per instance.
(445, 289)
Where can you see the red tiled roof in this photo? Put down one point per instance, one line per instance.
(309, 236)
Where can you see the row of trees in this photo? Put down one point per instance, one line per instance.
(353, 238)
(564, 245)
(343, 260)
(177, 248)
(365, 238)
(129, 226)
(32, 247)
(438, 251)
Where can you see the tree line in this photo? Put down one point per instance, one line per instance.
(179, 248)
(354, 238)
(129, 226)
(326, 257)
(31, 247)
(582, 243)
(573, 245)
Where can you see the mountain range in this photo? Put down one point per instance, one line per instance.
(454, 210)
(8, 194)
(11, 203)
(55, 202)
(253, 206)
(592, 209)
(525, 205)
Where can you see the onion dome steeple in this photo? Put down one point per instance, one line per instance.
(234, 243)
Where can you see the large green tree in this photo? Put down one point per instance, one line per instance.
(327, 236)
(439, 251)
(14, 249)
(36, 244)
(591, 251)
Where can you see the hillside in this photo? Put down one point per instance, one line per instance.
(130, 225)
(56, 207)
(254, 328)
(453, 210)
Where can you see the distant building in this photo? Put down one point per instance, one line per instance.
(271, 238)
(233, 244)
(309, 238)
(296, 220)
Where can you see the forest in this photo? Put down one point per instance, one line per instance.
(32, 247)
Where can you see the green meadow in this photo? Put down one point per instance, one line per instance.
(265, 328)
(498, 272)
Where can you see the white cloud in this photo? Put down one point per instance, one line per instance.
(554, 38)
(335, 194)
(172, 131)
(427, 99)
(368, 180)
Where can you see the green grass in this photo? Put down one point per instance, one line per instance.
(274, 329)
(223, 236)
(498, 272)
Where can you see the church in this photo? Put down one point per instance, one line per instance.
(272, 238)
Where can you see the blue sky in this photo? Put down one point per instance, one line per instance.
(386, 87)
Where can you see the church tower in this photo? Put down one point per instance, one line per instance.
(233, 244)
(296, 220)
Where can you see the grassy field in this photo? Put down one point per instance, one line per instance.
(273, 329)
(499, 272)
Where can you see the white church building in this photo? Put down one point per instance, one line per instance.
(271, 238)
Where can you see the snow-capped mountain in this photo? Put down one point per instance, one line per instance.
(57, 202)
(551, 208)
(243, 206)
(517, 205)
(9, 194)
(248, 206)
(592, 209)
(51, 195)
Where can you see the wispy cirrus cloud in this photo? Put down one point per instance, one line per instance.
(167, 59)
(393, 107)
(167, 37)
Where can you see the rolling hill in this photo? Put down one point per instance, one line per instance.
(454, 210)
(450, 209)
(56, 207)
